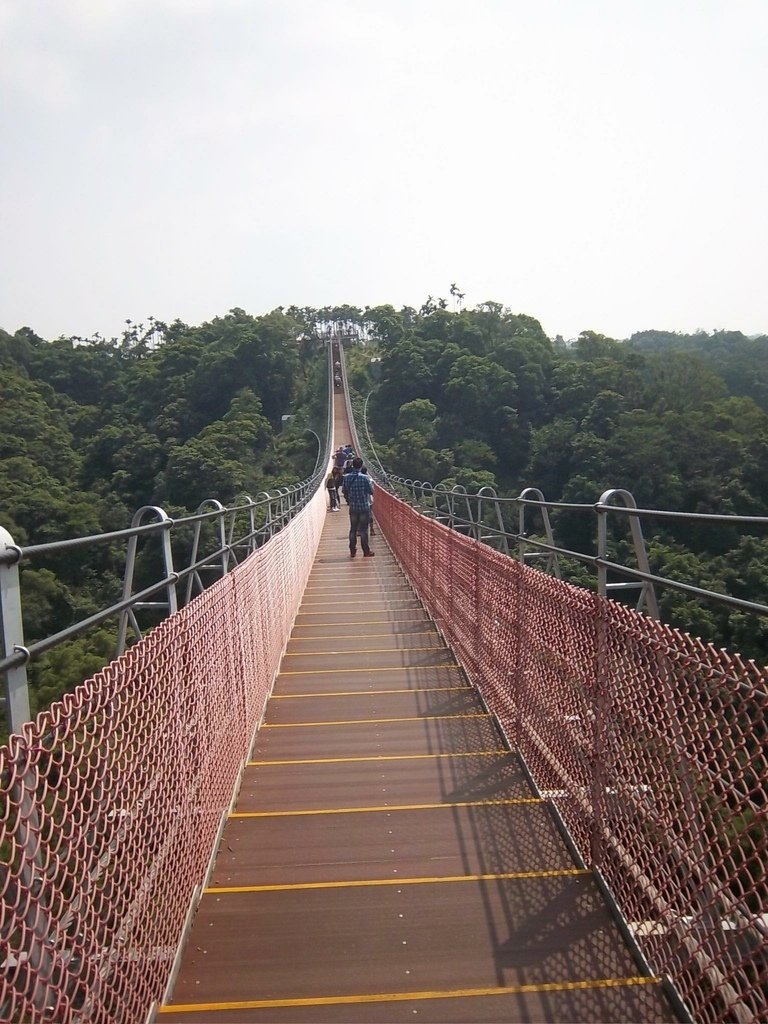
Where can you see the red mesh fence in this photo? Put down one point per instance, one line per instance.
(112, 800)
(650, 744)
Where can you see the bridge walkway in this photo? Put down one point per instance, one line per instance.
(387, 858)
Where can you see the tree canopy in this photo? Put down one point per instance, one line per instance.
(91, 430)
(680, 421)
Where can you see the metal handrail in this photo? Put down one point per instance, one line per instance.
(486, 504)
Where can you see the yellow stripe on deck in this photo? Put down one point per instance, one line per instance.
(329, 593)
(370, 693)
(336, 604)
(370, 721)
(399, 997)
(387, 757)
(364, 671)
(418, 607)
(364, 636)
(367, 650)
(368, 882)
(362, 622)
(519, 801)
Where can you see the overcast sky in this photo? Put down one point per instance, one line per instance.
(597, 164)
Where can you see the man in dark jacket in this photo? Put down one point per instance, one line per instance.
(358, 491)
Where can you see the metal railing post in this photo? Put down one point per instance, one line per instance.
(498, 534)
(221, 520)
(602, 550)
(17, 710)
(523, 555)
(129, 614)
(195, 577)
(252, 539)
(243, 505)
(647, 596)
(264, 499)
(37, 946)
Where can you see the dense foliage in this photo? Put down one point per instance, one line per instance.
(170, 415)
(484, 397)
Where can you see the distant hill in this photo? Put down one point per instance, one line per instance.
(741, 361)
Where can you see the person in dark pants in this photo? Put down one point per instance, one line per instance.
(358, 491)
(332, 486)
(364, 470)
(338, 476)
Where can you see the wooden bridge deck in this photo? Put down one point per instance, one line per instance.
(388, 859)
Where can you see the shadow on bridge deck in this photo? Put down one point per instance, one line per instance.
(387, 859)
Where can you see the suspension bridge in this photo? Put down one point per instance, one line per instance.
(435, 785)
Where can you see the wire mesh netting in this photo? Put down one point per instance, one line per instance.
(112, 800)
(650, 744)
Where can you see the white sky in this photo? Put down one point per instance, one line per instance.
(597, 164)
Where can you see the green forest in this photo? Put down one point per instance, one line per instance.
(171, 414)
(484, 397)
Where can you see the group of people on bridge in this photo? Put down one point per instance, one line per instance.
(350, 476)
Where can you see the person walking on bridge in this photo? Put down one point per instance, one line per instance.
(332, 486)
(358, 491)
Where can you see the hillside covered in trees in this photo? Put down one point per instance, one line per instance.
(170, 414)
(484, 397)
